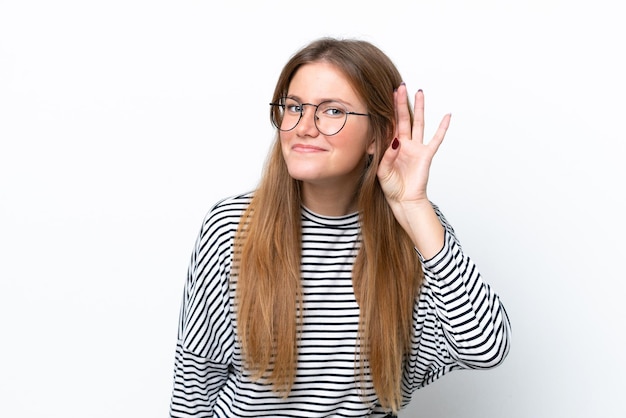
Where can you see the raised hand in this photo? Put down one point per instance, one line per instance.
(403, 173)
(404, 169)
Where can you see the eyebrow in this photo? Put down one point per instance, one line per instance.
(329, 99)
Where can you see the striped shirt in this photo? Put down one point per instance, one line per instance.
(458, 323)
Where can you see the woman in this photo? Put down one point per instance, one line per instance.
(336, 288)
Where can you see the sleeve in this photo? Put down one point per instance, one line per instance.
(459, 320)
(205, 338)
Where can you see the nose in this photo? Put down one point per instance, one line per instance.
(306, 126)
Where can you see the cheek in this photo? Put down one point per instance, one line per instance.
(357, 141)
(350, 154)
(284, 140)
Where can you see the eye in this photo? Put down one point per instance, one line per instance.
(332, 110)
(292, 106)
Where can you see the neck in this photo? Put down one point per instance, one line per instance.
(329, 201)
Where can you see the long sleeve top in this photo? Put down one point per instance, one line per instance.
(458, 323)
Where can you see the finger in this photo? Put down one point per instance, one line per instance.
(395, 110)
(437, 139)
(418, 116)
(403, 118)
(385, 168)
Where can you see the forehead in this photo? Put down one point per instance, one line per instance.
(321, 81)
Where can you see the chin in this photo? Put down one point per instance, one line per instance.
(305, 177)
(304, 173)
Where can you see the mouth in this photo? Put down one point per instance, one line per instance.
(306, 148)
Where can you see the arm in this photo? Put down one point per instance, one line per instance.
(459, 322)
(205, 339)
(475, 326)
(196, 384)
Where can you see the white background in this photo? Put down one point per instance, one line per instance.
(122, 122)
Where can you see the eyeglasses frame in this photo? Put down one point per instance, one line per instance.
(316, 106)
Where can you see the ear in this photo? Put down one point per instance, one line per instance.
(371, 148)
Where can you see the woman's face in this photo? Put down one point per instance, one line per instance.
(315, 158)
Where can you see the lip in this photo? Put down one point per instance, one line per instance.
(304, 148)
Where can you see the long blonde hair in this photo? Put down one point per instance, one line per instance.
(387, 273)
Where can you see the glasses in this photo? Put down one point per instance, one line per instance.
(330, 116)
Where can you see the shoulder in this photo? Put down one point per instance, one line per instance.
(226, 213)
(233, 203)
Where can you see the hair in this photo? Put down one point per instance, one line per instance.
(387, 273)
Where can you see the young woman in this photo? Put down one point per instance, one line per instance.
(336, 288)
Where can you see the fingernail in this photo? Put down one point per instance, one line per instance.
(403, 84)
(421, 91)
(395, 143)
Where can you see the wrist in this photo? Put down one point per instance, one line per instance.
(422, 224)
(414, 205)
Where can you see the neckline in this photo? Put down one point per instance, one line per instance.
(344, 220)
